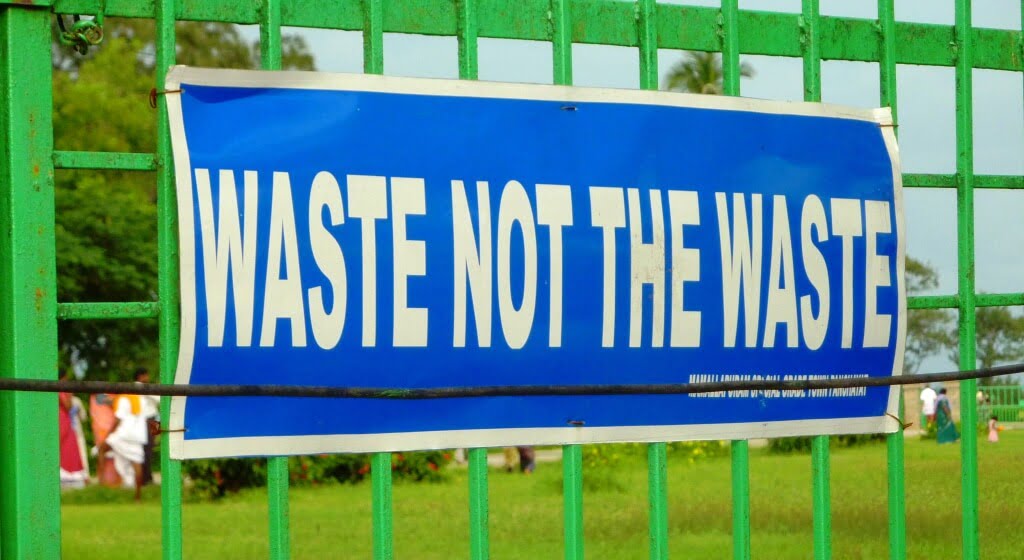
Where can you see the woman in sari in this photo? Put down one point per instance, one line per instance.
(944, 420)
(101, 408)
(72, 470)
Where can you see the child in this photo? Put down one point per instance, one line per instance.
(993, 430)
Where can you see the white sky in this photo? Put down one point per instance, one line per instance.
(926, 108)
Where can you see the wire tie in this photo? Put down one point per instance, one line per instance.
(153, 93)
(897, 419)
(576, 422)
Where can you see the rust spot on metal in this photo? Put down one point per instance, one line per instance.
(35, 171)
(39, 299)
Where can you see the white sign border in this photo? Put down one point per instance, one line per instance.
(181, 448)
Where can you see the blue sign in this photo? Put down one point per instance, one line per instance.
(363, 231)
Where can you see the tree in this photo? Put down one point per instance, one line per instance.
(700, 72)
(106, 221)
(927, 329)
(999, 340)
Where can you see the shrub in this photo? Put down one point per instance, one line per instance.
(802, 444)
(215, 478)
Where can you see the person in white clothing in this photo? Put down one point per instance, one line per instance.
(127, 439)
(928, 398)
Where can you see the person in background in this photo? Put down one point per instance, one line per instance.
(993, 429)
(127, 440)
(101, 410)
(928, 398)
(72, 470)
(527, 459)
(944, 420)
(152, 410)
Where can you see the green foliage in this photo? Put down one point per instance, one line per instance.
(803, 444)
(927, 329)
(603, 462)
(106, 221)
(700, 72)
(216, 478)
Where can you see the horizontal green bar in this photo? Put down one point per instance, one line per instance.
(931, 302)
(998, 300)
(947, 181)
(104, 310)
(949, 302)
(610, 22)
(104, 160)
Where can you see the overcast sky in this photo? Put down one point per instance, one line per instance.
(926, 110)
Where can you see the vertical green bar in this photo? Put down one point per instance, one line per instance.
(561, 39)
(373, 37)
(572, 455)
(657, 497)
(572, 496)
(809, 21)
(29, 489)
(277, 506)
(467, 39)
(894, 441)
(167, 246)
(380, 463)
(965, 286)
(277, 467)
(479, 537)
(657, 488)
(479, 543)
(380, 479)
(821, 498)
(740, 454)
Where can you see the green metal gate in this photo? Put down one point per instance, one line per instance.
(29, 493)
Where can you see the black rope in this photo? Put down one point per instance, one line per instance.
(38, 385)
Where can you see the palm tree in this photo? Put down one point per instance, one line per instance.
(700, 72)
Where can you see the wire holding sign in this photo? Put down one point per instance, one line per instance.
(363, 231)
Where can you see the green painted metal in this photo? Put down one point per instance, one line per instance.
(167, 245)
(380, 480)
(657, 497)
(964, 51)
(108, 310)
(26, 210)
(29, 503)
(479, 537)
(104, 160)
(740, 453)
(657, 472)
(572, 498)
(894, 441)
(277, 508)
(809, 23)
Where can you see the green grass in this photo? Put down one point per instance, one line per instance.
(431, 520)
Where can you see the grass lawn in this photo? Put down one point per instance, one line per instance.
(431, 520)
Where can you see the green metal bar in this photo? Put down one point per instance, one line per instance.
(941, 181)
(277, 506)
(740, 452)
(657, 497)
(998, 300)
(104, 160)
(895, 472)
(820, 477)
(657, 473)
(29, 501)
(932, 302)
(572, 496)
(809, 22)
(468, 60)
(479, 538)
(372, 26)
(561, 39)
(105, 310)
(168, 289)
(277, 467)
(380, 480)
(380, 463)
(609, 22)
(965, 287)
